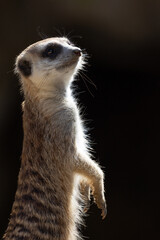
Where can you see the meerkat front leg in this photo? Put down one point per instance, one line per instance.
(95, 178)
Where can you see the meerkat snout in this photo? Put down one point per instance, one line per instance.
(77, 51)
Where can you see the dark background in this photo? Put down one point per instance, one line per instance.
(122, 38)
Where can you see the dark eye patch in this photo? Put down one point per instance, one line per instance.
(25, 67)
(51, 51)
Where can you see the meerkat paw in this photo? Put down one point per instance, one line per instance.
(101, 204)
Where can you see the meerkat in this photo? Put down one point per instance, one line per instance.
(56, 163)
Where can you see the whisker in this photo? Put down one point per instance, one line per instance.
(86, 84)
(68, 35)
(58, 32)
(10, 71)
(41, 34)
(76, 37)
(88, 80)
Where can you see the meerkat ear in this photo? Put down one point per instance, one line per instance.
(24, 66)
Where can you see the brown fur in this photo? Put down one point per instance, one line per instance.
(45, 206)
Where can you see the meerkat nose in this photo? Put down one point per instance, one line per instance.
(77, 52)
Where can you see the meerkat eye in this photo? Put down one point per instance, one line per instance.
(51, 51)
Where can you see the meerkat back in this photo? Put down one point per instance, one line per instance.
(56, 166)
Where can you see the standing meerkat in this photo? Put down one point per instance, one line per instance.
(56, 163)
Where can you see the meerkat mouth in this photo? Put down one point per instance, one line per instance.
(67, 64)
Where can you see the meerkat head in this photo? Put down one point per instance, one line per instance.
(49, 64)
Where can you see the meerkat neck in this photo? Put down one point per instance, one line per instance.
(48, 100)
(36, 93)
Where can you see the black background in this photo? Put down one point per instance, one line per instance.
(122, 38)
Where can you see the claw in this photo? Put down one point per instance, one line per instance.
(87, 205)
(101, 204)
(85, 209)
(104, 213)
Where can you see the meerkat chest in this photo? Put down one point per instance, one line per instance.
(61, 129)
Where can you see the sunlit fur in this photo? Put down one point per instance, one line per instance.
(56, 163)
